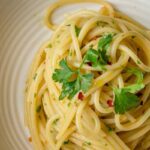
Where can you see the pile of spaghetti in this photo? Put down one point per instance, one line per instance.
(89, 85)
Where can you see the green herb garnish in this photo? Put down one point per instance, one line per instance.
(138, 62)
(101, 23)
(55, 121)
(82, 82)
(77, 30)
(86, 143)
(35, 76)
(137, 73)
(125, 101)
(66, 142)
(49, 46)
(62, 75)
(71, 87)
(38, 109)
(69, 104)
(99, 57)
(125, 98)
(35, 95)
(109, 128)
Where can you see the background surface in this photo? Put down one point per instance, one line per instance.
(22, 31)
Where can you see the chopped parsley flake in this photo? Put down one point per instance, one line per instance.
(77, 30)
(86, 143)
(69, 104)
(138, 62)
(38, 109)
(35, 76)
(91, 46)
(101, 23)
(35, 95)
(66, 142)
(49, 46)
(55, 121)
(110, 129)
(113, 21)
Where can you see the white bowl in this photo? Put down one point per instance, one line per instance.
(22, 31)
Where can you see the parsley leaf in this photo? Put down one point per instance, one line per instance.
(77, 30)
(105, 41)
(103, 45)
(93, 57)
(134, 88)
(67, 89)
(138, 85)
(137, 73)
(71, 88)
(61, 75)
(99, 57)
(125, 99)
(85, 81)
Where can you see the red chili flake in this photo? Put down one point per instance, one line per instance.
(30, 139)
(110, 103)
(141, 103)
(80, 96)
(139, 94)
(109, 63)
(89, 63)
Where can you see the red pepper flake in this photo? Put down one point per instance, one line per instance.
(139, 94)
(89, 63)
(30, 139)
(110, 103)
(141, 103)
(80, 96)
(109, 63)
(99, 73)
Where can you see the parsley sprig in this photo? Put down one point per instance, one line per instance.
(74, 81)
(125, 98)
(99, 57)
(70, 87)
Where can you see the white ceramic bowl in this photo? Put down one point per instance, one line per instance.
(22, 31)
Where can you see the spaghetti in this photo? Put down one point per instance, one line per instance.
(89, 85)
